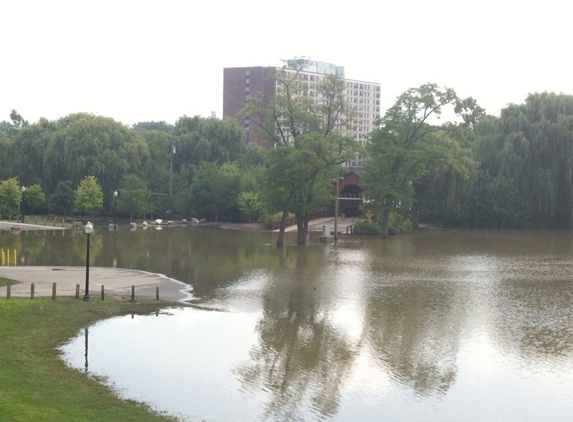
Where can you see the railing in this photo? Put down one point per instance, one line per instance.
(291, 221)
(77, 295)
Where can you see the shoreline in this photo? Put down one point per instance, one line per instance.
(117, 282)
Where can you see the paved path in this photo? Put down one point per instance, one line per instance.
(9, 226)
(117, 283)
(316, 225)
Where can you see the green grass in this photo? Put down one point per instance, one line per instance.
(5, 281)
(35, 385)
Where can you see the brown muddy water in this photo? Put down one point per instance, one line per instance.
(430, 326)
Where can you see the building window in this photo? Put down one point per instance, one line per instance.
(247, 73)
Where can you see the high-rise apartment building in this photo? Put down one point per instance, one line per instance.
(240, 83)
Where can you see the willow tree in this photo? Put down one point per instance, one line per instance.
(409, 144)
(208, 140)
(306, 119)
(533, 151)
(76, 146)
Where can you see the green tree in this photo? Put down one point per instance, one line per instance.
(309, 129)
(17, 120)
(530, 147)
(208, 139)
(76, 146)
(161, 126)
(89, 196)
(214, 191)
(33, 198)
(62, 200)
(10, 196)
(157, 173)
(134, 196)
(409, 144)
(249, 202)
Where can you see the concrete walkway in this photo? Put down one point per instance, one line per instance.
(117, 283)
(316, 225)
(10, 226)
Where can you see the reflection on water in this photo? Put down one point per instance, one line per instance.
(433, 326)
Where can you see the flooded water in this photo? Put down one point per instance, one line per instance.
(430, 326)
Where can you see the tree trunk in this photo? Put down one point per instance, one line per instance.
(385, 222)
(300, 223)
(282, 225)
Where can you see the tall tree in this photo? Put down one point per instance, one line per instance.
(531, 147)
(214, 191)
(409, 144)
(134, 197)
(76, 146)
(310, 126)
(17, 120)
(208, 139)
(161, 126)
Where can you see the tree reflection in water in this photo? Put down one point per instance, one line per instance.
(301, 359)
(415, 334)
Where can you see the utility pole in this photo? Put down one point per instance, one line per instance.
(173, 151)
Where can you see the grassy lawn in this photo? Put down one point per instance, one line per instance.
(6, 281)
(35, 385)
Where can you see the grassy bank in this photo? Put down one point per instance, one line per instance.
(6, 281)
(35, 385)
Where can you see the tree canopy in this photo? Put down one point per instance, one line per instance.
(410, 144)
(307, 132)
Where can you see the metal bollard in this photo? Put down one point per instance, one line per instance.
(54, 291)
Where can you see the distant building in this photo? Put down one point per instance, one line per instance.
(239, 83)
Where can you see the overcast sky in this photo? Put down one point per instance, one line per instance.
(158, 60)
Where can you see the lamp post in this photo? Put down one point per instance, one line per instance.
(336, 209)
(88, 228)
(115, 210)
(19, 207)
(173, 152)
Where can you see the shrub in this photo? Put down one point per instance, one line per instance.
(399, 223)
(366, 228)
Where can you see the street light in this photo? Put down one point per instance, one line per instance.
(115, 210)
(88, 228)
(23, 190)
(336, 209)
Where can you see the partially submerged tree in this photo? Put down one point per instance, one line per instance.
(304, 122)
(409, 144)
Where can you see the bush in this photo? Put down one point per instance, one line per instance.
(399, 223)
(366, 228)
